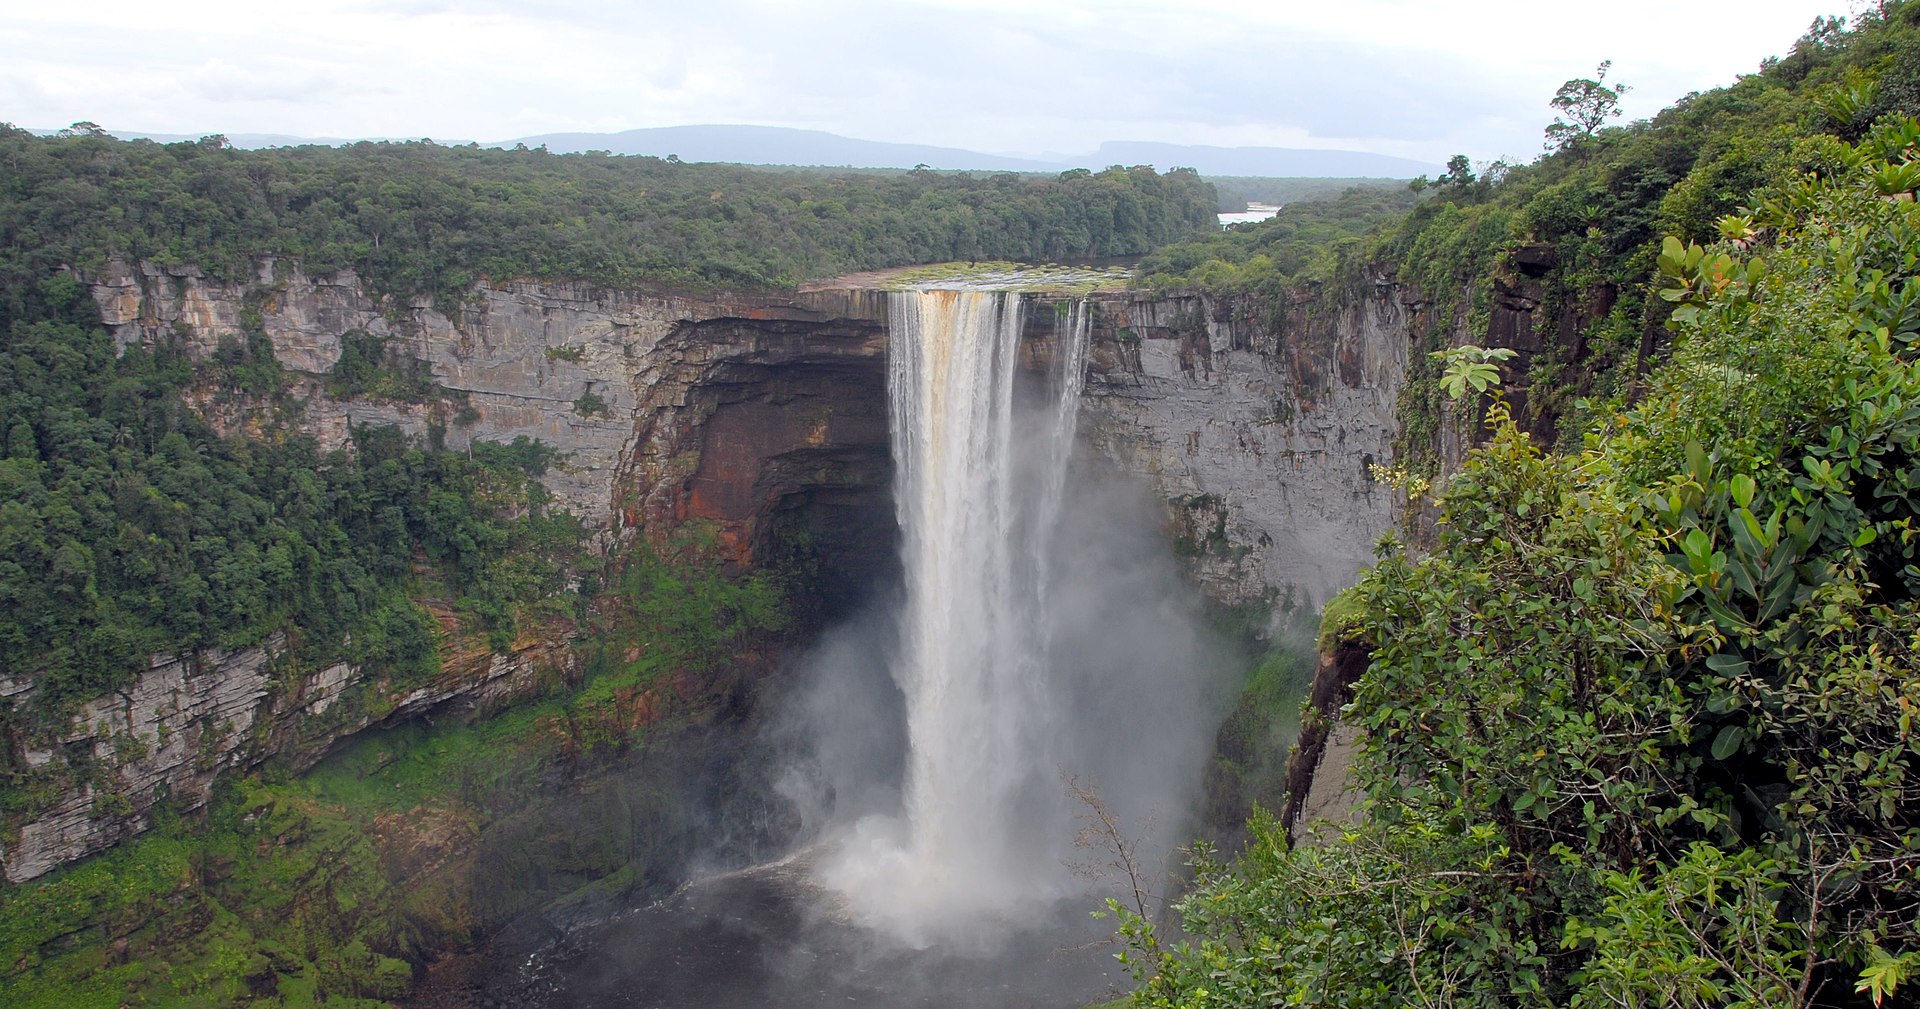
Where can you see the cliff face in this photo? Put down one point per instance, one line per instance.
(190, 718)
(750, 417)
(768, 428)
(761, 422)
(1258, 424)
(521, 354)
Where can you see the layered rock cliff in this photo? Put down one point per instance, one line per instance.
(1259, 424)
(760, 422)
(190, 718)
(752, 417)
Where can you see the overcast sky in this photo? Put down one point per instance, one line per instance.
(1417, 78)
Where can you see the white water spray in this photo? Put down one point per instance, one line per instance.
(1042, 633)
(979, 487)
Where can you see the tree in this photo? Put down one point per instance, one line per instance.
(1459, 175)
(1636, 728)
(1459, 172)
(1584, 105)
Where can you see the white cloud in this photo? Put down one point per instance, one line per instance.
(1414, 78)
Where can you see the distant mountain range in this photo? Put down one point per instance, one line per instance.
(779, 145)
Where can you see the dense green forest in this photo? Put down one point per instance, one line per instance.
(1594, 213)
(1638, 725)
(417, 218)
(1305, 241)
(156, 501)
(1639, 716)
(131, 527)
(410, 841)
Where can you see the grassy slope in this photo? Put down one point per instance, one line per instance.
(308, 890)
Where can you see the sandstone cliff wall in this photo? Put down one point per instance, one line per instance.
(187, 719)
(1258, 423)
(735, 411)
(754, 417)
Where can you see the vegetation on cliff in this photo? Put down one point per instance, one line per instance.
(1579, 232)
(1639, 726)
(324, 889)
(1575, 234)
(419, 219)
(159, 502)
(1305, 241)
(135, 526)
(130, 527)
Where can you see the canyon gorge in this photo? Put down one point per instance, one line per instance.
(758, 418)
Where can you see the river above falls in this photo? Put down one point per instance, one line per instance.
(1254, 214)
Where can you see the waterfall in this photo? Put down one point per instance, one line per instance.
(1073, 325)
(980, 488)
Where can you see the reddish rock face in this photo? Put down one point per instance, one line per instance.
(759, 451)
(770, 436)
(803, 454)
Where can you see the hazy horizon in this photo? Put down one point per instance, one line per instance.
(1026, 80)
(783, 146)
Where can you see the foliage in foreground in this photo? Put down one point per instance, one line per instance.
(1640, 730)
(1590, 216)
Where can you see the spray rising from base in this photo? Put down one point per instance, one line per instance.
(1041, 634)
